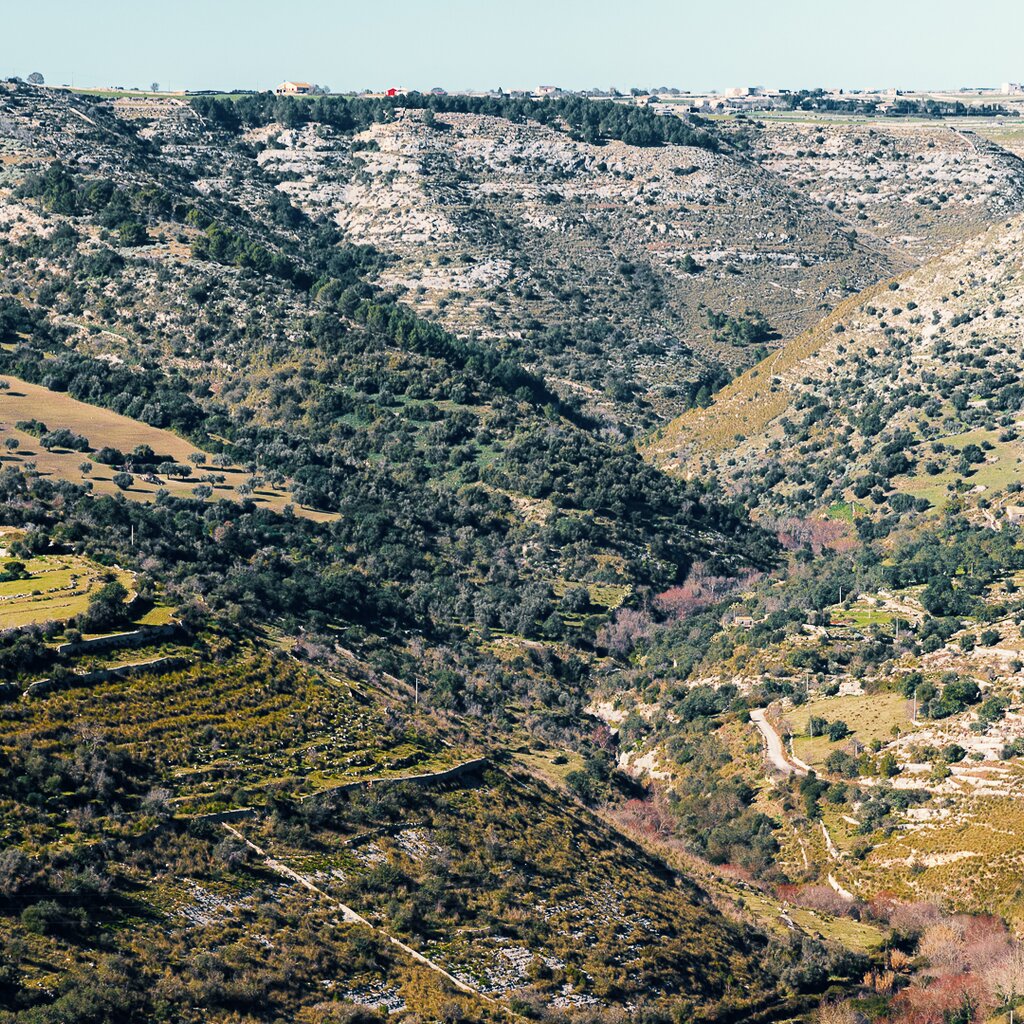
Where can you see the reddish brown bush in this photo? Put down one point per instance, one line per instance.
(622, 634)
(700, 591)
(818, 534)
(649, 817)
(914, 917)
(931, 1003)
(822, 899)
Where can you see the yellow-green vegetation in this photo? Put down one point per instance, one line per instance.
(966, 850)
(55, 588)
(550, 763)
(499, 879)
(862, 613)
(251, 738)
(872, 716)
(842, 511)
(750, 402)
(1002, 466)
(508, 844)
(602, 595)
(158, 615)
(766, 910)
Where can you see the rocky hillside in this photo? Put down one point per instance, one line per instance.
(920, 187)
(630, 277)
(600, 263)
(899, 399)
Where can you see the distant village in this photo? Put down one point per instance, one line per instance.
(1007, 99)
(737, 99)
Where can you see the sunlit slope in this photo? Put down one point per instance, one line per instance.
(750, 402)
(912, 388)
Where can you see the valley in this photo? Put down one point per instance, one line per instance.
(474, 558)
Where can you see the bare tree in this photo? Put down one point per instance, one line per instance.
(1006, 976)
(836, 1013)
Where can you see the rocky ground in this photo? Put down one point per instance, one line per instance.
(500, 228)
(920, 187)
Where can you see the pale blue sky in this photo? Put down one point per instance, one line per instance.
(483, 44)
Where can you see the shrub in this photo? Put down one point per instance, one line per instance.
(838, 730)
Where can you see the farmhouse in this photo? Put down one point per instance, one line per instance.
(294, 89)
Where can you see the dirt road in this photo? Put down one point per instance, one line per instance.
(775, 750)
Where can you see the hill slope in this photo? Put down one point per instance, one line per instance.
(905, 390)
(920, 186)
(154, 901)
(470, 533)
(599, 260)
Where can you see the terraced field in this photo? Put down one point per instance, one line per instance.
(55, 588)
(492, 875)
(966, 852)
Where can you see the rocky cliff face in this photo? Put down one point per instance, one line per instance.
(500, 228)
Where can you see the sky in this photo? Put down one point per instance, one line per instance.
(480, 44)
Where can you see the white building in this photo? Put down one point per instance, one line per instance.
(294, 89)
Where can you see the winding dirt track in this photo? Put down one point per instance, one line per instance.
(773, 742)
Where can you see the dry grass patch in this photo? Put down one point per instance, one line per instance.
(870, 716)
(747, 405)
(103, 428)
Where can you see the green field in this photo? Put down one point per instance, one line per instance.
(1004, 468)
(57, 588)
(862, 615)
(765, 909)
(871, 716)
(842, 511)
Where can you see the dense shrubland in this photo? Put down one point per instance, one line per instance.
(592, 122)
